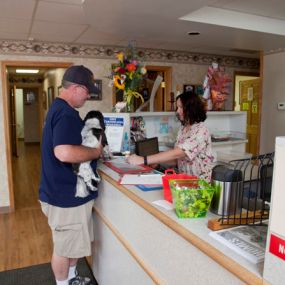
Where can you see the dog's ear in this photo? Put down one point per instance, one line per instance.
(102, 123)
(104, 140)
(89, 115)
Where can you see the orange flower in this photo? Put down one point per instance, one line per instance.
(130, 67)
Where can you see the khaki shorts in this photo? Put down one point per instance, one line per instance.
(72, 229)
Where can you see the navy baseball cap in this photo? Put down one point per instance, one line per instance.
(81, 75)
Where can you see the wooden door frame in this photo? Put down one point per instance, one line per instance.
(253, 74)
(242, 73)
(167, 70)
(5, 94)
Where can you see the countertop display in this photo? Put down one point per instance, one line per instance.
(151, 240)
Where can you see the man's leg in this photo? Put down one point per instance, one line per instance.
(60, 267)
(72, 268)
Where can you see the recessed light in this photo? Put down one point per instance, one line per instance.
(27, 71)
(193, 33)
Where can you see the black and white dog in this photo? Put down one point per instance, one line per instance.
(94, 128)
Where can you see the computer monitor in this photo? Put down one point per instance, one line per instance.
(147, 146)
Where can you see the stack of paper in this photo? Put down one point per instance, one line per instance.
(144, 179)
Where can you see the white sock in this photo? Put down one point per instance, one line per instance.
(63, 282)
(71, 272)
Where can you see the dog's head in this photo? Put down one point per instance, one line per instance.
(95, 119)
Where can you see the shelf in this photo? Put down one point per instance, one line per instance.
(229, 142)
(225, 113)
(151, 114)
(210, 113)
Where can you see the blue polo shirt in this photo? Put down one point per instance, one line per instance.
(63, 126)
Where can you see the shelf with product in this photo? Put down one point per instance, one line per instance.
(227, 128)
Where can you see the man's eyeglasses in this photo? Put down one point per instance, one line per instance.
(82, 86)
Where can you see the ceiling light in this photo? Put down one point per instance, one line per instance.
(194, 33)
(27, 71)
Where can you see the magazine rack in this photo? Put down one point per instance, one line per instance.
(252, 203)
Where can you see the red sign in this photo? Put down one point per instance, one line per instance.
(277, 246)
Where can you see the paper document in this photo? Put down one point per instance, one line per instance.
(164, 204)
(114, 132)
(248, 241)
(145, 179)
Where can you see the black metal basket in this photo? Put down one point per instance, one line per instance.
(252, 196)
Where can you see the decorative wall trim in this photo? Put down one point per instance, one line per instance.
(274, 51)
(109, 52)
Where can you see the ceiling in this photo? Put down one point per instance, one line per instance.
(241, 27)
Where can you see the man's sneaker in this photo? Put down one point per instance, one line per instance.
(78, 280)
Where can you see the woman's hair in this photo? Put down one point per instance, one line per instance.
(194, 109)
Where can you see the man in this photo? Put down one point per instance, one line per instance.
(69, 217)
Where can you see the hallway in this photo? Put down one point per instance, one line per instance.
(25, 235)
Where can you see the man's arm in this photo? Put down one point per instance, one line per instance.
(77, 153)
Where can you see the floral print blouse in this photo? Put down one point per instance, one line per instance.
(195, 140)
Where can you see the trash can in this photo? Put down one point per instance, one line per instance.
(228, 183)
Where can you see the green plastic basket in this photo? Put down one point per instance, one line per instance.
(191, 198)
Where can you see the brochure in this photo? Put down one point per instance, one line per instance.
(248, 241)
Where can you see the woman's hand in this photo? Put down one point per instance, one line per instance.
(135, 159)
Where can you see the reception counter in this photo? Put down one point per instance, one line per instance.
(137, 242)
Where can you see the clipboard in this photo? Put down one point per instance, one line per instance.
(126, 168)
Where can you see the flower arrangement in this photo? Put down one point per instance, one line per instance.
(127, 75)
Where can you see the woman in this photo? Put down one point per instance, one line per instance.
(192, 152)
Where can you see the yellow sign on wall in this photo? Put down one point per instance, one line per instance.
(254, 108)
(245, 106)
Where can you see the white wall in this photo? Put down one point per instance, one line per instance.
(19, 113)
(272, 120)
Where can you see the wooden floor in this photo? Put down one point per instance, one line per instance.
(25, 235)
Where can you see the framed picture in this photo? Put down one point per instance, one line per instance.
(50, 95)
(188, 87)
(197, 88)
(98, 84)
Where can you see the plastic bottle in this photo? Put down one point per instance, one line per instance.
(126, 144)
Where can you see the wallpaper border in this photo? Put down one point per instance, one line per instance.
(109, 52)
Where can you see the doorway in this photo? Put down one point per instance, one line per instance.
(248, 98)
(162, 100)
(32, 97)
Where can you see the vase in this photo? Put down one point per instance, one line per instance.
(129, 99)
